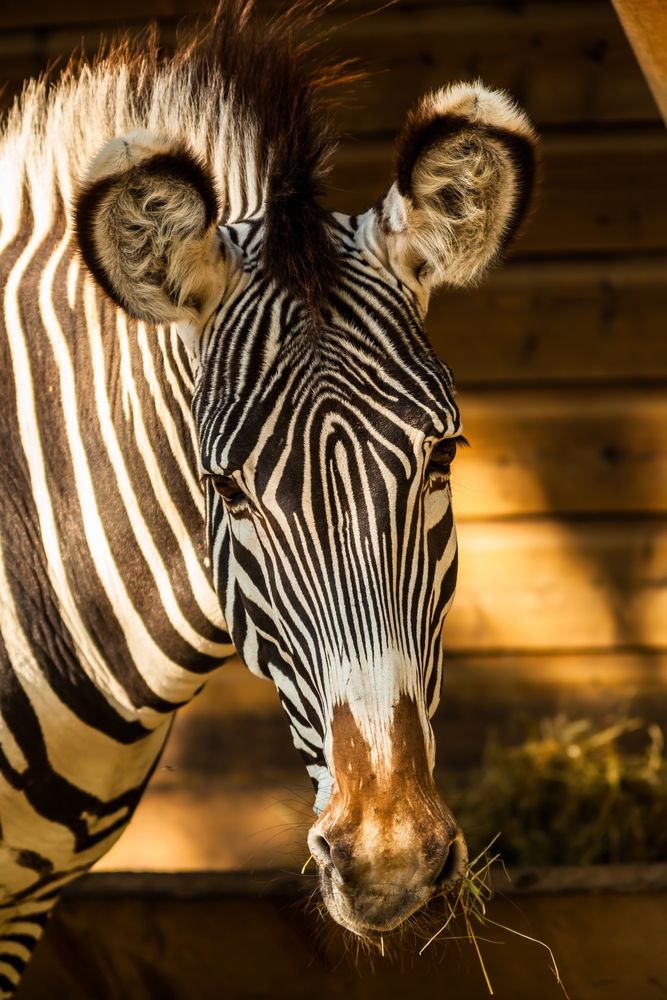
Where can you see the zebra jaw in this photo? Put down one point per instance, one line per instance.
(386, 843)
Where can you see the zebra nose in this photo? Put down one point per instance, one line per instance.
(320, 849)
(373, 880)
(454, 861)
(332, 854)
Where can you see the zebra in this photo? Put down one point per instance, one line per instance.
(224, 429)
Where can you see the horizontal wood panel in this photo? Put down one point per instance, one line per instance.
(237, 726)
(547, 585)
(540, 585)
(208, 823)
(562, 451)
(523, 49)
(408, 50)
(233, 692)
(44, 12)
(553, 321)
(267, 942)
(600, 192)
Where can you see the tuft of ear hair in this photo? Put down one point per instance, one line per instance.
(145, 221)
(466, 167)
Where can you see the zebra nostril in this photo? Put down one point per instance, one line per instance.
(452, 866)
(320, 849)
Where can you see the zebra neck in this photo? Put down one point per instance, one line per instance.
(104, 467)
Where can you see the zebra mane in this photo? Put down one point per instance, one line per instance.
(253, 99)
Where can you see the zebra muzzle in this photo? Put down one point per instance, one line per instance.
(386, 843)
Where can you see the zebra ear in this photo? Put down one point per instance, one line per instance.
(146, 226)
(466, 164)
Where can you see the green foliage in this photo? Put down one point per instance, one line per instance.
(570, 795)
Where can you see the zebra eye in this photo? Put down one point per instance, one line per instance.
(228, 490)
(444, 454)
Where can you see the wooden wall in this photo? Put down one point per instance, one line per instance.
(561, 360)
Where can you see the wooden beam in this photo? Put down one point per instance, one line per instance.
(407, 49)
(232, 792)
(556, 585)
(645, 23)
(242, 944)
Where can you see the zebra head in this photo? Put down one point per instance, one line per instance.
(327, 427)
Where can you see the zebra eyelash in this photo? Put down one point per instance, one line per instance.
(439, 463)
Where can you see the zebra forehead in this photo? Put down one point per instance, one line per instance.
(320, 417)
(256, 390)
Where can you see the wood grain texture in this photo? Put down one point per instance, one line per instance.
(583, 321)
(272, 945)
(237, 710)
(552, 585)
(213, 805)
(582, 450)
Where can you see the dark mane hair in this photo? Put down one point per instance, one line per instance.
(284, 89)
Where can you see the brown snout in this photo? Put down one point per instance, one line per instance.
(377, 872)
(386, 843)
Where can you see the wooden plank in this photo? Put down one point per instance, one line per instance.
(507, 695)
(265, 945)
(244, 800)
(204, 822)
(601, 192)
(561, 451)
(206, 810)
(645, 23)
(554, 585)
(409, 50)
(521, 48)
(515, 881)
(233, 693)
(545, 321)
(44, 13)
(540, 585)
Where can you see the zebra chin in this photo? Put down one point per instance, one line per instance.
(386, 844)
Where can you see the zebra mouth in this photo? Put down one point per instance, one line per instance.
(372, 912)
(342, 908)
(351, 911)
